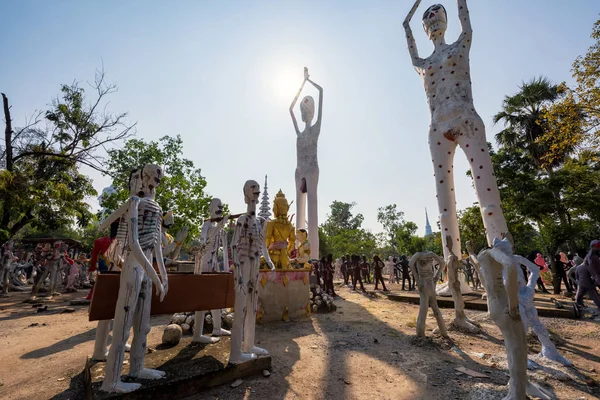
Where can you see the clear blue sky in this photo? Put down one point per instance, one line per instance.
(223, 73)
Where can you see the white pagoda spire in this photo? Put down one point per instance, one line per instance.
(427, 225)
(265, 210)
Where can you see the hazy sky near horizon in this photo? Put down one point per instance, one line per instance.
(222, 74)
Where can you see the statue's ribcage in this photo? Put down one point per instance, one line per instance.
(249, 244)
(149, 222)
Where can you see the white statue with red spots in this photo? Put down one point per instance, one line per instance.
(307, 169)
(454, 121)
(142, 217)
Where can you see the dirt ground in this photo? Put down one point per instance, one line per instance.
(367, 349)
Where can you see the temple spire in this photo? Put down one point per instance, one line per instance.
(265, 210)
(427, 225)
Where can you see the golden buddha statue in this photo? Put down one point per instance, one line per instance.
(280, 237)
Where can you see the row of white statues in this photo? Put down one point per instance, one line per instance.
(141, 218)
(454, 122)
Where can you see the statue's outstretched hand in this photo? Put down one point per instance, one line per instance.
(306, 75)
(166, 287)
(406, 22)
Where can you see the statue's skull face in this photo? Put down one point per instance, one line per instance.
(168, 219)
(216, 208)
(307, 109)
(435, 20)
(251, 192)
(152, 174)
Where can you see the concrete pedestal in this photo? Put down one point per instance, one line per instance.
(283, 295)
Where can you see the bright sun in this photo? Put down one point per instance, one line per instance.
(286, 82)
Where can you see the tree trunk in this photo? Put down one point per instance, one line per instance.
(7, 134)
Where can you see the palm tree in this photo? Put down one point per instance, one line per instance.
(522, 117)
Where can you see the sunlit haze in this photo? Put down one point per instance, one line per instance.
(222, 74)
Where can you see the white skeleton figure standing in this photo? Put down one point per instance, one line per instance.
(143, 217)
(247, 244)
(422, 267)
(6, 265)
(212, 238)
(527, 308)
(307, 169)
(454, 121)
(53, 263)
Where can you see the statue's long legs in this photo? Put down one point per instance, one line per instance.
(141, 328)
(241, 306)
(250, 316)
(312, 181)
(301, 204)
(438, 314)
(102, 331)
(423, 308)
(132, 277)
(42, 277)
(485, 185)
(442, 154)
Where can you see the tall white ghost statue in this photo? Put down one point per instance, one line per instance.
(307, 169)
(454, 121)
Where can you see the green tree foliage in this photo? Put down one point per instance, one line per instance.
(41, 185)
(342, 233)
(575, 119)
(400, 235)
(181, 190)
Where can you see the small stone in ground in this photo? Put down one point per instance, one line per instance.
(266, 373)
(172, 334)
(237, 383)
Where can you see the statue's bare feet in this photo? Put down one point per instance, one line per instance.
(242, 357)
(120, 387)
(148, 373)
(258, 351)
(205, 339)
(221, 332)
(100, 356)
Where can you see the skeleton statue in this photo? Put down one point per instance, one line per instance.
(454, 120)
(454, 265)
(499, 274)
(527, 309)
(171, 247)
(307, 170)
(53, 263)
(212, 238)
(248, 243)
(422, 267)
(6, 262)
(142, 218)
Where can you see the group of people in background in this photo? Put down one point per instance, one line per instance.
(578, 274)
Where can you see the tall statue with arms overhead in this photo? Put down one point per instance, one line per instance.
(307, 170)
(454, 121)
